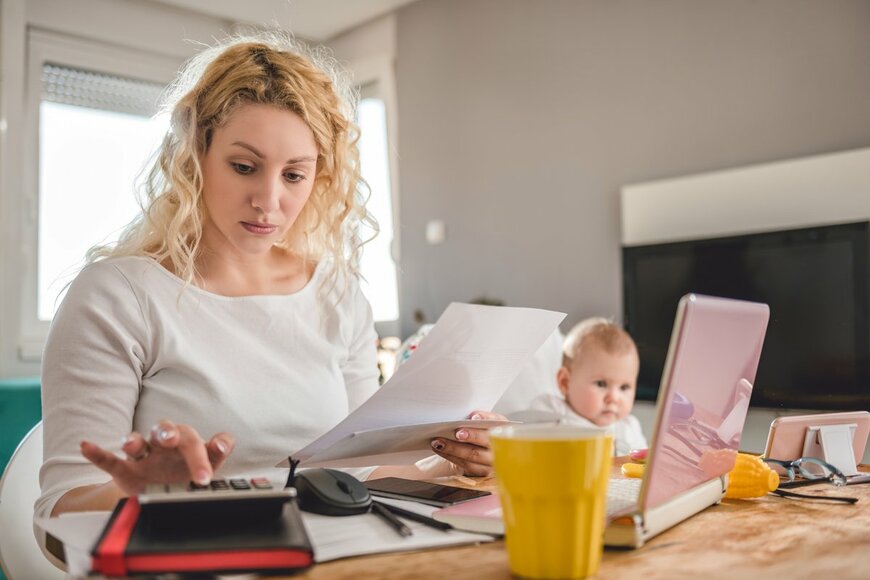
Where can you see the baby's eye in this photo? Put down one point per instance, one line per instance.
(601, 383)
(625, 387)
(242, 168)
(294, 177)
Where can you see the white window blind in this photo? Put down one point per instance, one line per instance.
(94, 90)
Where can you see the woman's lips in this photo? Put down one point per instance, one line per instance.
(259, 229)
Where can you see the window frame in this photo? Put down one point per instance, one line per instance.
(44, 46)
(379, 71)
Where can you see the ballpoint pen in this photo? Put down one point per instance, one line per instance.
(431, 522)
(390, 518)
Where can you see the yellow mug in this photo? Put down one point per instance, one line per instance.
(552, 480)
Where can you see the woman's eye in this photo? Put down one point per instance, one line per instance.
(242, 168)
(293, 177)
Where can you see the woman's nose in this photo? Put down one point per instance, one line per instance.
(268, 195)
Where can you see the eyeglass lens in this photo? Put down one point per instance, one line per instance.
(808, 468)
(782, 468)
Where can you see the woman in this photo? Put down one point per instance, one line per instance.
(231, 305)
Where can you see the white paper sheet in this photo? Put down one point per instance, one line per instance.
(391, 446)
(342, 537)
(78, 531)
(465, 363)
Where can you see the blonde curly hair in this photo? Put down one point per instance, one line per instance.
(273, 69)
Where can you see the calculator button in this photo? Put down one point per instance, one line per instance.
(196, 487)
(240, 484)
(219, 484)
(261, 483)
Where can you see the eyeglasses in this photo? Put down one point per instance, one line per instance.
(809, 468)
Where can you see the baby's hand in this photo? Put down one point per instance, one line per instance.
(638, 455)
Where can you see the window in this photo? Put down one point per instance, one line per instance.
(88, 132)
(378, 267)
(96, 132)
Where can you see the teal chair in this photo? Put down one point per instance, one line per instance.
(20, 410)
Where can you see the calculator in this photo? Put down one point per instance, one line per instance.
(235, 499)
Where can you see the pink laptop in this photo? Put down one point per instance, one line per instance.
(702, 405)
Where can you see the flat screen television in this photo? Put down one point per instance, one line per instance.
(817, 351)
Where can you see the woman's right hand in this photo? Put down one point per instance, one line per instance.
(171, 454)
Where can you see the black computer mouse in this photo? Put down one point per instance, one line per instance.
(331, 492)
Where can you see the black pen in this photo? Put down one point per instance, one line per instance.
(395, 523)
(431, 522)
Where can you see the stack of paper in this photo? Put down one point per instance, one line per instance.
(464, 364)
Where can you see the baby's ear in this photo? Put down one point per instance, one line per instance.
(563, 377)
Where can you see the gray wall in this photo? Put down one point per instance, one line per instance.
(520, 120)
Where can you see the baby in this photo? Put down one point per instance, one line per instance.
(597, 381)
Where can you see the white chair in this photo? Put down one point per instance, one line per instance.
(20, 555)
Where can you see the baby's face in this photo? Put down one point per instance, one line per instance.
(600, 385)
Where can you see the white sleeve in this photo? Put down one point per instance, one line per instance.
(92, 367)
(544, 408)
(361, 369)
(361, 375)
(634, 434)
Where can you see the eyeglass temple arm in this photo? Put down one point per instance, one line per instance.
(793, 495)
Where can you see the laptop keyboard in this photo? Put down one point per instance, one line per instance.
(622, 493)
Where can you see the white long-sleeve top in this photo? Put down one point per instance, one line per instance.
(131, 345)
(627, 434)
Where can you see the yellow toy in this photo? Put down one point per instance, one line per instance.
(751, 477)
(632, 469)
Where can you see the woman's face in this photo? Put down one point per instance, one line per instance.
(258, 173)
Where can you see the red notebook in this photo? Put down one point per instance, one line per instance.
(130, 546)
(476, 515)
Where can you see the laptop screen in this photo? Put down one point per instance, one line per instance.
(704, 397)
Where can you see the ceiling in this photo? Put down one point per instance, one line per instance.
(314, 20)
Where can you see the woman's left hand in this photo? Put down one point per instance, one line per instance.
(470, 452)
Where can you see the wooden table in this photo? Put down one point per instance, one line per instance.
(771, 537)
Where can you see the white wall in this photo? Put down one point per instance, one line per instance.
(817, 190)
(521, 121)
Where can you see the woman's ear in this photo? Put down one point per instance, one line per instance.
(563, 377)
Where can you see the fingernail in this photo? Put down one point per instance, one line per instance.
(222, 447)
(165, 434)
(462, 434)
(202, 477)
(476, 417)
(438, 445)
(126, 439)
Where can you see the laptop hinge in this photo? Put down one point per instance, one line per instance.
(634, 529)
